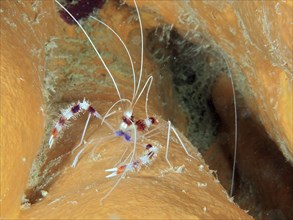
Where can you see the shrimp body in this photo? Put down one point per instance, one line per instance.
(128, 127)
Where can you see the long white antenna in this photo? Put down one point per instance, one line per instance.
(131, 62)
(236, 130)
(92, 46)
(150, 79)
(141, 59)
(170, 127)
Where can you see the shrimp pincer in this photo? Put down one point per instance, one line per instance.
(150, 153)
(73, 111)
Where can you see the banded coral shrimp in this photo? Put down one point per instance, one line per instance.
(128, 127)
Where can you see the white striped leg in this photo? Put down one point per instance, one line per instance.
(170, 127)
(83, 133)
(76, 158)
(51, 141)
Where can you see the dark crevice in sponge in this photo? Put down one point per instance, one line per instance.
(193, 69)
(263, 177)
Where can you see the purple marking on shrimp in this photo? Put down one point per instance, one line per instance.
(127, 137)
(79, 9)
(75, 109)
(148, 146)
(119, 133)
(62, 120)
(91, 110)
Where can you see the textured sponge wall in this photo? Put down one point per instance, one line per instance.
(21, 100)
(26, 27)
